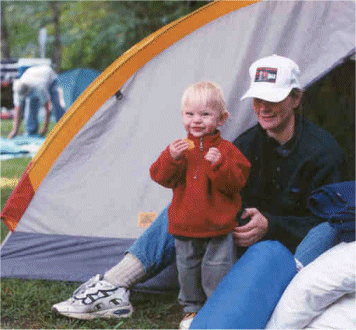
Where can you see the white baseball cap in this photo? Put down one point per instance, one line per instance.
(273, 78)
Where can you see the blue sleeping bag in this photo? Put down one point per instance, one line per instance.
(248, 294)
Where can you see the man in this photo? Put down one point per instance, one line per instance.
(289, 158)
(38, 86)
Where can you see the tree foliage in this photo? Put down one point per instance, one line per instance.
(85, 33)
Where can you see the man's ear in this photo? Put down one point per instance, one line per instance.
(297, 98)
(223, 117)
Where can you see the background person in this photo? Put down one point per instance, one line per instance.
(37, 87)
(289, 157)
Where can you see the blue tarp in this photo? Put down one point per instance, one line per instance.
(24, 145)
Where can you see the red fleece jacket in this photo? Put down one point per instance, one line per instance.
(206, 197)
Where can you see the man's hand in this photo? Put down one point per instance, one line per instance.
(253, 231)
(47, 106)
(16, 122)
(43, 131)
(12, 134)
(177, 147)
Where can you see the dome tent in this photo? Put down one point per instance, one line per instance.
(74, 82)
(75, 209)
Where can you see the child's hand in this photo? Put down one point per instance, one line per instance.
(213, 155)
(177, 147)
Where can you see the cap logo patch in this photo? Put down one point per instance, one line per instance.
(266, 75)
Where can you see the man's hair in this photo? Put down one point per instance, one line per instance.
(297, 93)
(24, 89)
(207, 93)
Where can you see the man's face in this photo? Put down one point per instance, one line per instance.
(277, 117)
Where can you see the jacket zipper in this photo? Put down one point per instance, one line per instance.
(201, 150)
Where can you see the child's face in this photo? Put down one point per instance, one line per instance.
(200, 120)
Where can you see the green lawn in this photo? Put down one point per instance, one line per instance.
(26, 304)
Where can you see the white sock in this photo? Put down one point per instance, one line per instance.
(299, 265)
(126, 273)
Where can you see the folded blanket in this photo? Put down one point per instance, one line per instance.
(335, 203)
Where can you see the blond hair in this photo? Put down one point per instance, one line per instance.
(207, 93)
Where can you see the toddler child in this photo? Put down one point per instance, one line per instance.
(206, 174)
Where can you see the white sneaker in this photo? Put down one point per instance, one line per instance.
(187, 321)
(96, 298)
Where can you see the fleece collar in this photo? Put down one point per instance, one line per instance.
(207, 141)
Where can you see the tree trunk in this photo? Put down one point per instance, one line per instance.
(5, 51)
(57, 55)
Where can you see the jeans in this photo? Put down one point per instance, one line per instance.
(155, 247)
(33, 105)
(318, 240)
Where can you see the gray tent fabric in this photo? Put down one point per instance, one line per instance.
(48, 260)
(37, 256)
(100, 182)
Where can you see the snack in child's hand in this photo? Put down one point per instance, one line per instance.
(191, 144)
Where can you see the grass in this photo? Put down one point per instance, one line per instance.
(26, 304)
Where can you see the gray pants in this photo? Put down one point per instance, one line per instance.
(202, 263)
